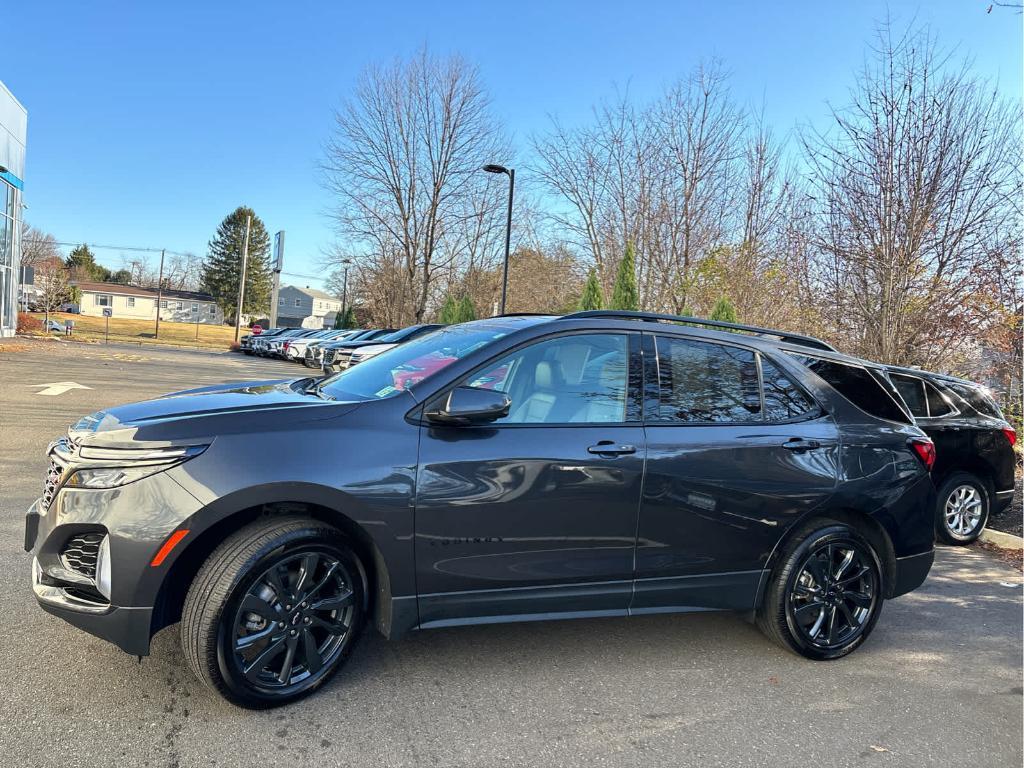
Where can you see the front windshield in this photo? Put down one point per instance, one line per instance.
(408, 364)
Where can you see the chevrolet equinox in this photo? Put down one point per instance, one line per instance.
(510, 469)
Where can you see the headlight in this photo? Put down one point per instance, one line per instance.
(126, 465)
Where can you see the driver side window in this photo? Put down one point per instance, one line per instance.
(576, 379)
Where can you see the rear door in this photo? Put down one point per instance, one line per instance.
(736, 451)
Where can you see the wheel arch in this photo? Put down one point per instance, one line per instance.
(867, 525)
(215, 522)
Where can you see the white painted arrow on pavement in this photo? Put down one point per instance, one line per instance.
(58, 387)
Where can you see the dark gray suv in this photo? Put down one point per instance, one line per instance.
(516, 468)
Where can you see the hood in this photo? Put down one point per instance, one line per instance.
(258, 400)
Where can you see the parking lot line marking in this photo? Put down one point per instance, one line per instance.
(58, 387)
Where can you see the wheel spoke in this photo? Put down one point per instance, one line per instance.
(831, 638)
(814, 630)
(859, 599)
(844, 564)
(311, 652)
(245, 642)
(279, 585)
(848, 615)
(259, 606)
(289, 660)
(805, 609)
(861, 572)
(253, 669)
(323, 581)
(335, 602)
(817, 571)
(334, 626)
(307, 572)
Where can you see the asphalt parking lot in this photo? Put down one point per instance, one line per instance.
(938, 683)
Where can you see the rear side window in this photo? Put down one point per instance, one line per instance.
(858, 386)
(912, 391)
(705, 383)
(977, 399)
(782, 399)
(937, 405)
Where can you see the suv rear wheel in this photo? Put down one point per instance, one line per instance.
(274, 612)
(962, 508)
(825, 594)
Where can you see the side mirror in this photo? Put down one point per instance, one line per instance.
(464, 406)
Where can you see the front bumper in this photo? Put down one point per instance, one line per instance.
(126, 627)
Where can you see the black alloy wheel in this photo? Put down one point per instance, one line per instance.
(826, 592)
(274, 612)
(293, 620)
(834, 595)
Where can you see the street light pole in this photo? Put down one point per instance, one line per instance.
(511, 173)
(344, 289)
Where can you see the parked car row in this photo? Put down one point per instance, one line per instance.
(603, 463)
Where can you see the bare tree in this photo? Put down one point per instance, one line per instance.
(37, 246)
(403, 164)
(54, 286)
(914, 191)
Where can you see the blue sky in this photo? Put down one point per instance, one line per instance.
(148, 122)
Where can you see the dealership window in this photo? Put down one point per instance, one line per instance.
(131, 301)
(104, 300)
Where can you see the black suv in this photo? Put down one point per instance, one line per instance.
(515, 468)
(974, 461)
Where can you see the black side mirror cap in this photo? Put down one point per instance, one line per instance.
(464, 406)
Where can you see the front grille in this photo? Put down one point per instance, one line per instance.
(80, 553)
(329, 356)
(55, 471)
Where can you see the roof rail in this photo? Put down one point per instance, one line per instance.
(655, 317)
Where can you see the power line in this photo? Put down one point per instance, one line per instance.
(109, 247)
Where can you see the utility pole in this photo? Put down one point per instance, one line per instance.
(159, 294)
(278, 266)
(241, 280)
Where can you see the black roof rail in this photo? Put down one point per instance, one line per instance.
(655, 317)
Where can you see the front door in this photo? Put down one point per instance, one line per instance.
(535, 515)
(735, 453)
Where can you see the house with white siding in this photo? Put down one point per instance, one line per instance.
(135, 303)
(306, 308)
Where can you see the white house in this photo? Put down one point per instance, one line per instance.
(306, 308)
(134, 303)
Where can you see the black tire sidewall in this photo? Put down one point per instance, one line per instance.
(290, 543)
(791, 572)
(948, 485)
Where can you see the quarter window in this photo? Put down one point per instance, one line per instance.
(858, 386)
(705, 383)
(578, 379)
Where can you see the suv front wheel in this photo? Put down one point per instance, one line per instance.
(274, 612)
(826, 592)
(962, 508)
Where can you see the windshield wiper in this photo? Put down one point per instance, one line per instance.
(315, 388)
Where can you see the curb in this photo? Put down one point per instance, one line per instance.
(1000, 539)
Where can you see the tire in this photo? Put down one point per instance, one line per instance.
(800, 610)
(281, 591)
(962, 507)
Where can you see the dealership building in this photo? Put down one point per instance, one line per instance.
(13, 130)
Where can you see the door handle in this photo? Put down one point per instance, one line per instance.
(800, 444)
(611, 448)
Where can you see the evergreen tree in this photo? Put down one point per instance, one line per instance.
(592, 297)
(81, 263)
(724, 311)
(449, 311)
(625, 294)
(224, 263)
(345, 320)
(466, 311)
